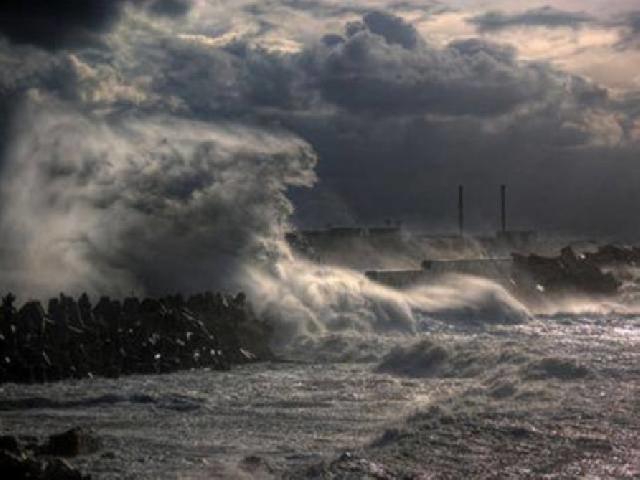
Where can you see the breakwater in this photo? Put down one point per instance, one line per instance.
(73, 338)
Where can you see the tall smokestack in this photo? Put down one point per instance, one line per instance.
(503, 207)
(461, 209)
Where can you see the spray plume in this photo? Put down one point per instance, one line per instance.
(156, 204)
(113, 204)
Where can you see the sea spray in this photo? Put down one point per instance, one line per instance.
(307, 300)
(111, 203)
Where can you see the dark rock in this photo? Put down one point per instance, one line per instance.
(74, 340)
(609, 255)
(503, 390)
(76, 441)
(19, 466)
(9, 444)
(388, 437)
(567, 273)
(59, 469)
(22, 464)
(256, 465)
(558, 368)
(589, 443)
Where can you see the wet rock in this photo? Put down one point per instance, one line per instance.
(556, 368)
(17, 462)
(350, 467)
(60, 469)
(19, 466)
(608, 255)
(256, 465)
(73, 340)
(503, 390)
(76, 441)
(423, 359)
(9, 444)
(597, 444)
(389, 436)
(567, 273)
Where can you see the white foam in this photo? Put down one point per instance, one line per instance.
(310, 300)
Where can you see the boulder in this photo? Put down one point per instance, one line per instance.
(257, 467)
(19, 465)
(609, 255)
(60, 469)
(76, 441)
(72, 339)
(567, 273)
(18, 462)
(9, 443)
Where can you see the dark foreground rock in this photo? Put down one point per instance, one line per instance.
(612, 255)
(77, 441)
(9, 443)
(19, 462)
(565, 274)
(74, 339)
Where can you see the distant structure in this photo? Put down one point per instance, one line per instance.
(390, 238)
(503, 207)
(494, 268)
(461, 210)
(518, 239)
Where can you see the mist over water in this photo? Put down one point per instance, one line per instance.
(161, 149)
(111, 204)
(114, 204)
(310, 300)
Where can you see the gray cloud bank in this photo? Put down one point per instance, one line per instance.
(167, 139)
(626, 24)
(54, 24)
(630, 25)
(537, 17)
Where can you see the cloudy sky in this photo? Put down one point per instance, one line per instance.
(399, 101)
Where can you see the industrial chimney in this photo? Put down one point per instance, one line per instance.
(461, 209)
(503, 207)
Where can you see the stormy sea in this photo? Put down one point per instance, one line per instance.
(464, 371)
(319, 239)
(483, 389)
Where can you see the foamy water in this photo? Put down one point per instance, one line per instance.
(202, 424)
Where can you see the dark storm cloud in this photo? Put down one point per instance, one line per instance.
(332, 39)
(54, 24)
(397, 123)
(634, 22)
(414, 121)
(385, 67)
(381, 66)
(234, 82)
(343, 9)
(170, 7)
(629, 25)
(393, 29)
(538, 17)
(320, 8)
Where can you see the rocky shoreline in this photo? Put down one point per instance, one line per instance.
(73, 339)
(28, 458)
